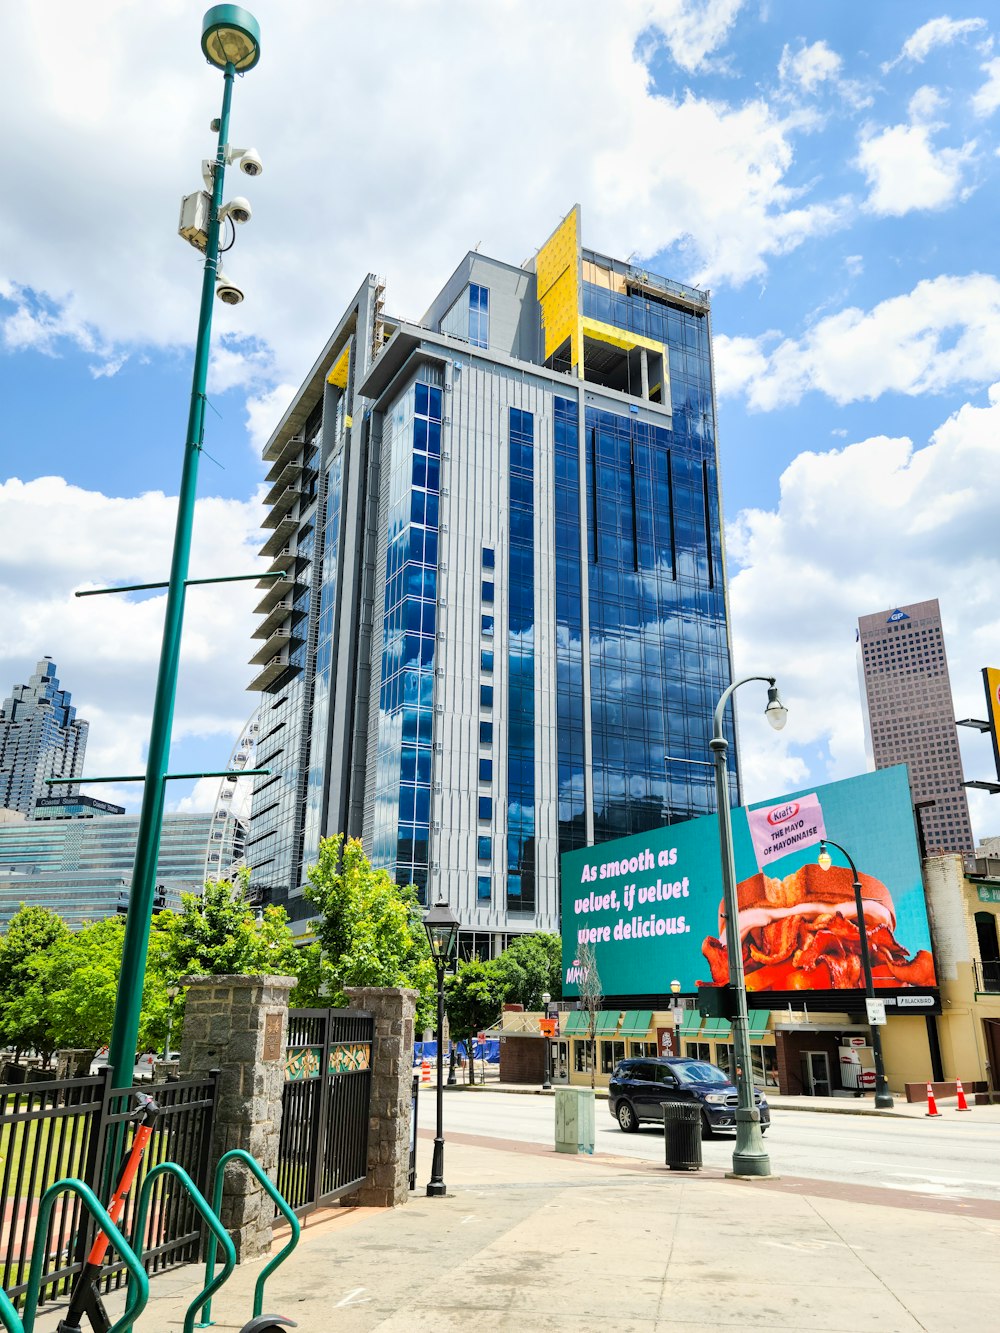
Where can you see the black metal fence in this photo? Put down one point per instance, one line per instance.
(414, 1094)
(323, 1149)
(71, 1127)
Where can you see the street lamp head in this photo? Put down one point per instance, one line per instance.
(675, 988)
(824, 860)
(775, 712)
(546, 997)
(230, 35)
(173, 992)
(441, 925)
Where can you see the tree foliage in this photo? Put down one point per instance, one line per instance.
(474, 998)
(370, 929)
(24, 947)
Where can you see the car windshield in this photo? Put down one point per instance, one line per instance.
(698, 1071)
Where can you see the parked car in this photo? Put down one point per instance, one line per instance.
(638, 1086)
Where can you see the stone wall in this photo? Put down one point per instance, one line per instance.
(392, 1074)
(239, 1025)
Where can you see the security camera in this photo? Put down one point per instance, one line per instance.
(238, 209)
(250, 162)
(227, 291)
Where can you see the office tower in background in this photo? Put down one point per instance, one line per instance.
(40, 737)
(910, 718)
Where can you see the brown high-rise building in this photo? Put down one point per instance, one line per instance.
(910, 718)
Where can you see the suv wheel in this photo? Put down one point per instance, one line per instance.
(707, 1132)
(627, 1117)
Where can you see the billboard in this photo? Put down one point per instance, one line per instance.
(651, 904)
(991, 681)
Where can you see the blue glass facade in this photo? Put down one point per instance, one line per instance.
(316, 781)
(569, 629)
(521, 666)
(658, 635)
(406, 696)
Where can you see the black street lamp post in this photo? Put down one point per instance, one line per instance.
(883, 1097)
(441, 925)
(547, 1085)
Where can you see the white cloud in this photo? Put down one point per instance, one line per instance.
(938, 32)
(692, 30)
(738, 362)
(905, 171)
(264, 411)
(987, 98)
(238, 362)
(810, 66)
(874, 525)
(58, 538)
(492, 137)
(109, 368)
(943, 335)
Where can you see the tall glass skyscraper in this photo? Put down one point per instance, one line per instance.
(501, 629)
(40, 737)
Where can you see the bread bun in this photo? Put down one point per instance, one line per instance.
(809, 891)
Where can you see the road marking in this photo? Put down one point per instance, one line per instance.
(351, 1298)
(467, 1218)
(806, 1244)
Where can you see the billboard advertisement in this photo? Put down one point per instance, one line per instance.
(651, 905)
(991, 681)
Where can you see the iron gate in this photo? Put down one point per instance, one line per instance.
(323, 1147)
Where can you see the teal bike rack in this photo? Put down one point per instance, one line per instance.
(138, 1283)
(217, 1234)
(240, 1155)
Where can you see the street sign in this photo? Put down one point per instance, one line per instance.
(876, 1012)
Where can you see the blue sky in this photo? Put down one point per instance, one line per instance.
(830, 171)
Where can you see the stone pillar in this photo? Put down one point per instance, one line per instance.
(392, 1074)
(239, 1025)
(74, 1062)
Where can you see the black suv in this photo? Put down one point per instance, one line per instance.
(637, 1088)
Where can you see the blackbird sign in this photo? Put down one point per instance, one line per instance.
(651, 904)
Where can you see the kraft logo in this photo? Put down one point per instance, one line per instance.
(783, 813)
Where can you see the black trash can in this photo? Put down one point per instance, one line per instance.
(682, 1135)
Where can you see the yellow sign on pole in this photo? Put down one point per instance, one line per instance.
(991, 679)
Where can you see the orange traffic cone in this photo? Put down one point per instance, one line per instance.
(425, 1072)
(931, 1103)
(963, 1105)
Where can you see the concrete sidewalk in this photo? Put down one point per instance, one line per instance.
(531, 1240)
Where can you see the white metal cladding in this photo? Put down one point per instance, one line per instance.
(475, 513)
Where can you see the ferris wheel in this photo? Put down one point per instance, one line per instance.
(227, 840)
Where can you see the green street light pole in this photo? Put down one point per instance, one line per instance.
(231, 42)
(749, 1156)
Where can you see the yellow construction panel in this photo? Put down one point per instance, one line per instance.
(611, 333)
(338, 375)
(557, 268)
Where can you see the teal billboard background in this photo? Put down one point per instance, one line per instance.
(651, 899)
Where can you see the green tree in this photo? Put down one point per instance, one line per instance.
(370, 930)
(80, 975)
(474, 999)
(531, 966)
(219, 932)
(30, 934)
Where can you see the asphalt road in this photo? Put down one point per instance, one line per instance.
(954, 1157)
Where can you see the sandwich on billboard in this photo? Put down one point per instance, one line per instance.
(651, 904)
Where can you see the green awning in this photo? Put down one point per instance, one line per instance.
(690, 1023)
(635, 1022)
(607, 1021)
(573, 1023)
(716, 1029)
(758, 1022)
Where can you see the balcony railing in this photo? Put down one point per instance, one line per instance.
(987, 976)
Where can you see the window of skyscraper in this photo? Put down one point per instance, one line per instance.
(486, 765)
(486, 807)
(485, 848)
(489, 558)
(486, 733)
(487, 626)
(479, 315)
(486, 659)
(486, 696)
(483, 892)
(487, 592)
